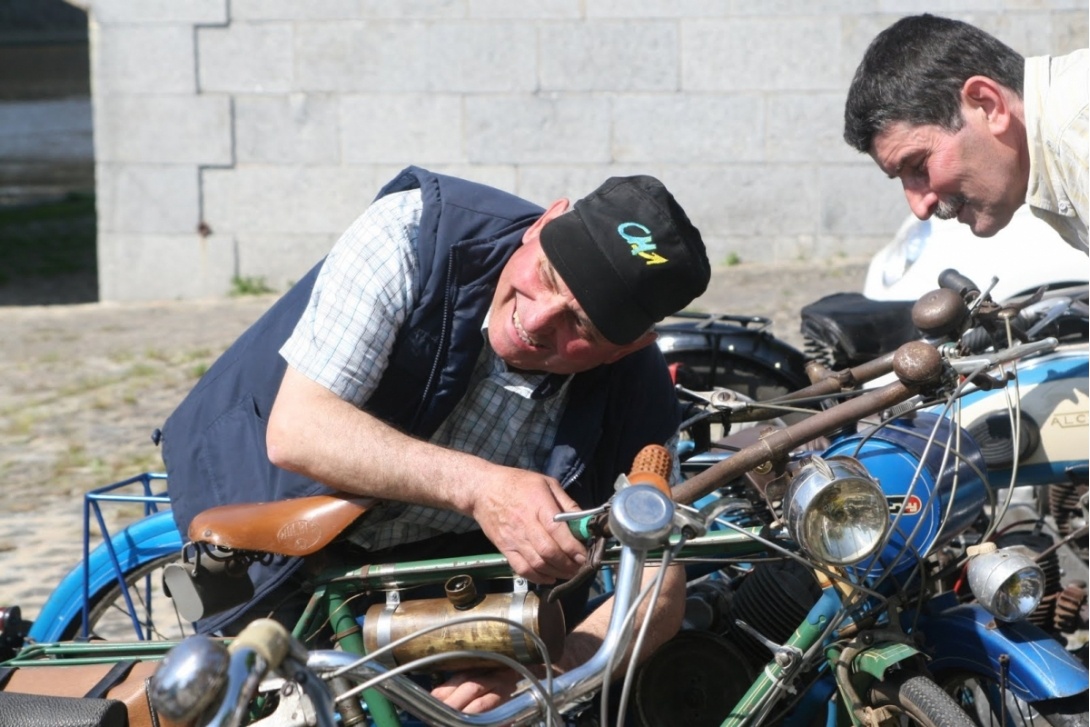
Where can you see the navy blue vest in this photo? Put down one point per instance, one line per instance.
(214, 442)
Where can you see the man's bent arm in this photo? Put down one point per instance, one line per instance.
(314, 432)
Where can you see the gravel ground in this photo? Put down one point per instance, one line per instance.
(82, 387)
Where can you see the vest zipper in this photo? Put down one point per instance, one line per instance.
(442, 339)
(573, 475)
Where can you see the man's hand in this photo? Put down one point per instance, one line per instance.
(478, 690)
(515, 510)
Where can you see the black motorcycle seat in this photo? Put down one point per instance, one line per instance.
(855, 329)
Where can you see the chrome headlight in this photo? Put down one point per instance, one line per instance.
(1008, 583)
(836, 511)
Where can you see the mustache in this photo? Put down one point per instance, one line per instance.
(948, 209)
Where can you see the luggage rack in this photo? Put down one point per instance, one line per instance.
(92, 503)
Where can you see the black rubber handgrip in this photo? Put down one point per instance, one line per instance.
(953, 280)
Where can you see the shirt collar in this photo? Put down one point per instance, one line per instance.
(536, 386)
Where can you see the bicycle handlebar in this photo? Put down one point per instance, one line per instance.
(259, 649)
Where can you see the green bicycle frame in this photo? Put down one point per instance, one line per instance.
(336, 586)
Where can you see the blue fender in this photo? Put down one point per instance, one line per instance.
(966, 637)
(143, 541)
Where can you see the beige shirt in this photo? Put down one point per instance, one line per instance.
(1055, 102)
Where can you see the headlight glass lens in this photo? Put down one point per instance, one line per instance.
(1019, 595)
(836, 512)
(1007, 583)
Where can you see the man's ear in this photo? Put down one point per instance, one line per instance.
(556, 209)
(645, 340)
(990, 98)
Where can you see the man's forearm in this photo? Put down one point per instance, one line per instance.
(582, 643)
(314, 432)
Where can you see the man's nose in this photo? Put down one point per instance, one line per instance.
(921, 200)
(544, 314)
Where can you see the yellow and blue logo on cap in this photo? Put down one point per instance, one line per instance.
(641, 244)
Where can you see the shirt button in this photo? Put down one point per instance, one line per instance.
(1064, 207)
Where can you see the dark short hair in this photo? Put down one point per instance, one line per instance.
(913, 72)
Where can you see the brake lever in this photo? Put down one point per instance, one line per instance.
(987, 382)
(596, 548)
(970, 365)
(1057, 310)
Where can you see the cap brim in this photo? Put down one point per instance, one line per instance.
(597, 287)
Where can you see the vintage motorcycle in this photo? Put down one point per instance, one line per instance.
(1046, 501)
(874, 615)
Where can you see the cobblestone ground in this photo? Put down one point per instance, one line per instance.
(83, 386)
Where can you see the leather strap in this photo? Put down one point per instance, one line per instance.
(110, 679)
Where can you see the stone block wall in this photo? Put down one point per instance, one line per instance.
(240, 137)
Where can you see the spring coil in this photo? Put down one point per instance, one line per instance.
(815, 350)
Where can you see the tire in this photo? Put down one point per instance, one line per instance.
(981, 698)
(109, 616)
(919, 700)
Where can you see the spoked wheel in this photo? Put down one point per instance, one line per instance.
(987, 704)
(918, 700)
(155, 616)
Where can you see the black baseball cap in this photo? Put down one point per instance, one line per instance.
(629, 255)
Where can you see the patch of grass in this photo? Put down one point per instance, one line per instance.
(199, 370)
(247, 285)
(20, 424)
(143, 370)
(198, 354)
(73, 458)
(732, 259)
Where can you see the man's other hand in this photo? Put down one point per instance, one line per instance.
(515, 509)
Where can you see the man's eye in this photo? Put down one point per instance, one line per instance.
(546, 274)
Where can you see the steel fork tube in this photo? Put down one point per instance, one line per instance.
(805, 636)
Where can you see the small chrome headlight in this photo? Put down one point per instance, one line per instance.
(1008, 583)
(836, 511)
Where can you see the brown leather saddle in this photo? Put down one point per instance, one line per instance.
(296, 527)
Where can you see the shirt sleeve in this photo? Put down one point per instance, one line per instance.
(361, 297)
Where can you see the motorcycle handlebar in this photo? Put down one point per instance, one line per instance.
(916, 364)
(651, 466)
(953, 280)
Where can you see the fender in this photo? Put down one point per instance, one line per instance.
(137, 544)
(727, 337)
(966, 637)
(875, 660)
